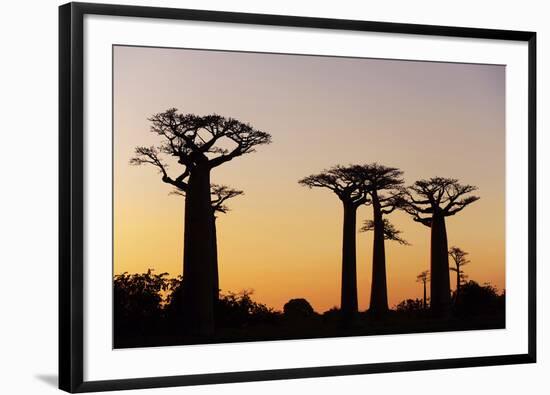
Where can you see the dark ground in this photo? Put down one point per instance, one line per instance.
(317, 326)
(144, 318)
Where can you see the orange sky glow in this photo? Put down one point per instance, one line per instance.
(283, 240)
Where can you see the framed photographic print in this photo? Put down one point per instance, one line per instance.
(257, 197)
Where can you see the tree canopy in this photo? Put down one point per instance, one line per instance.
(436, 196)
(197, 140)
(345, 181)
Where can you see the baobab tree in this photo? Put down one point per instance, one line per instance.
(459, 259)
(219, 194)
(385, 191)
(391, 233)
(429, 202)
(352, 191)
(198, 144)
(423, 278)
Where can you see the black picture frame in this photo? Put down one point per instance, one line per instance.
(71, 223)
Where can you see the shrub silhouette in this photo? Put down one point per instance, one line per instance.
(147, 312)
(478, 299)
(298, 308)
(137, 299)
(233, 310)
(410, 306)
(238, 310)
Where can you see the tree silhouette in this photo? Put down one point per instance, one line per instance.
(423, 278)
(199, 144)
(390, 231)
(219, 194)
(385, 190)
(459, 259)
(347, 184)
(429, 202)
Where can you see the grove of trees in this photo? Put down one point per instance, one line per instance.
(198, 144)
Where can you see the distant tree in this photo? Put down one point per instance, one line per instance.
(352, 191)
(199, 144)
(423, 278)
(459, 258)
(219, 194)
(429, 202)
(385, 191)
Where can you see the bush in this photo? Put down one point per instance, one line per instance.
(137, 300)
(475, 299)
(298, 308)
(410, 306)
(238, 310)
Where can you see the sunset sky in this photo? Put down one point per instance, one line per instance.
(284, 240)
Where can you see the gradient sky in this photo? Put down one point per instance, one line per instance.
(281, 239)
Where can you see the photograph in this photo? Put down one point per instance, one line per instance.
(267, 196)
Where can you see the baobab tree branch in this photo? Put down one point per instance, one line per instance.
(220, 194)
(320, 181)
(344, 181)
(459, 206)
(246, 139)
(454, 192)
(183, 176)
(390, 231)
(149, 155)
(424, 221)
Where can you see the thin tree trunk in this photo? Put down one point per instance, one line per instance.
(440, 288)
(424, 304)
(349, 271)
(457, 283)
(379, 289)
(215, 269)
(198, 304)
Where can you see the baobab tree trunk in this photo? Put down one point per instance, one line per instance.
(349, 271)
(440, 286)
(379, 290)
(198, 303)
(215, 273)
(457, 292)
(424, 303)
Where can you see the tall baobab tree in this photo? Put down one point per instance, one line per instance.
(423, 278)
(219, 194)
(429, 202)
(385, 190)
(459, 259)
(199, 144)
(352, 191)
(391, 233)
